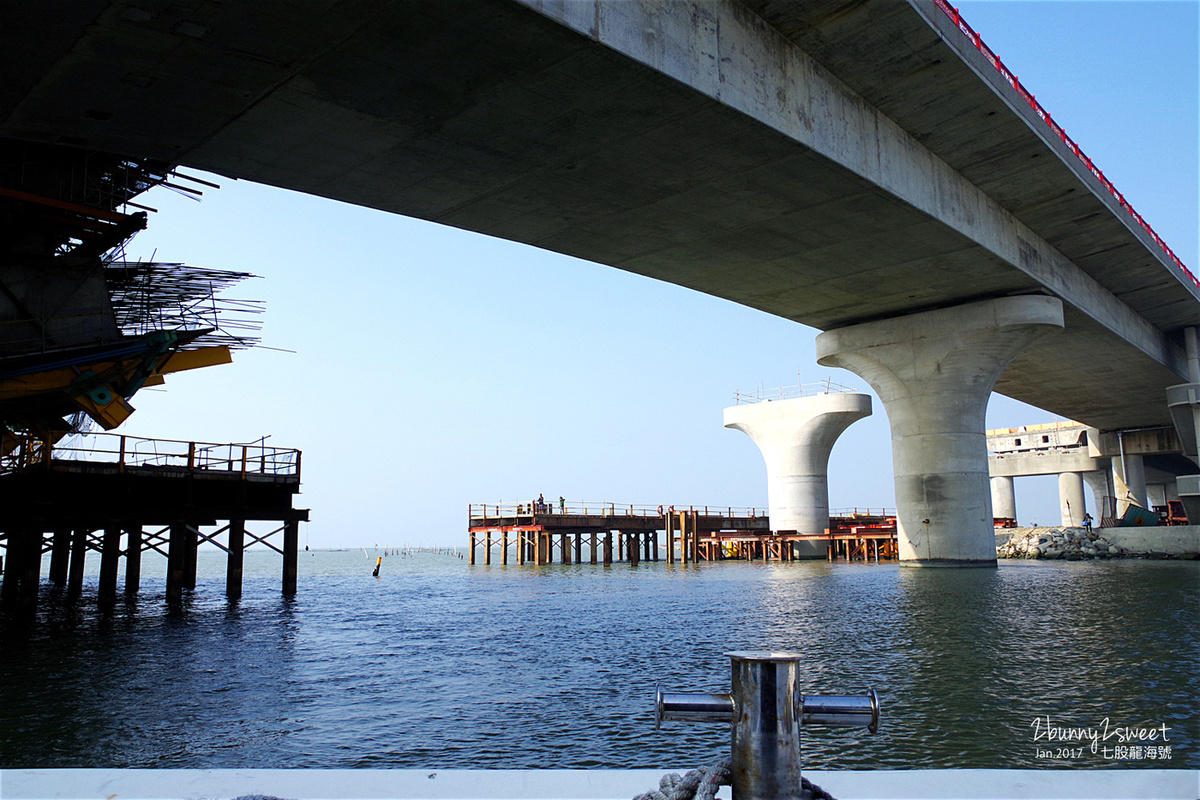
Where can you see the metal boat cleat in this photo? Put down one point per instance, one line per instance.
(766, 710)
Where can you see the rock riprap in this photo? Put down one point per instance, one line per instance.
(1071, 544)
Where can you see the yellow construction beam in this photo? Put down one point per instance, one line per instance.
(61, 378)
(109, 414)
(195, 359)
(47, 381)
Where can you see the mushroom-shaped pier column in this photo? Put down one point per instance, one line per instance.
(934, 372)
(795, 437)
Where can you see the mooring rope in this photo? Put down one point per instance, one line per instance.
(701, 784)
(817, 792)
(697, 784)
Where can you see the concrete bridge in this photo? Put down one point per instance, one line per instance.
(782, 155)
(1141, 466)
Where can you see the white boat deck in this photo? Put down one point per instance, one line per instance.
(986, 784)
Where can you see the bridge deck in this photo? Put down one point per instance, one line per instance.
(779, 155)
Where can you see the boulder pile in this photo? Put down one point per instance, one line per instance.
(1070, 544)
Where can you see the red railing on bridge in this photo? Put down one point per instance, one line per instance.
(1027, 95)
(856, 512)
(611, 509)
(601, 509)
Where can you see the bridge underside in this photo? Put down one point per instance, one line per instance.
(486, 116)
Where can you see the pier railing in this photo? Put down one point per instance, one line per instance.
(20, 453)
(602, 509)
(610, 509)
(826, 386)
(850, 513)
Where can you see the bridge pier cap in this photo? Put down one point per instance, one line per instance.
(795, 436)
(934, 372)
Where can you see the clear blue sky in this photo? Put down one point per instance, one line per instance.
(434, 368)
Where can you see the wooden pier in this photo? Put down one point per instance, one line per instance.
(121, 496)
(604, 533)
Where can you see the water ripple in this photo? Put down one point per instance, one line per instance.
(439, 665)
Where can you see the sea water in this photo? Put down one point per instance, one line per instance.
(438, 664)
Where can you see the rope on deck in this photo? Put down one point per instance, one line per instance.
(701, 784)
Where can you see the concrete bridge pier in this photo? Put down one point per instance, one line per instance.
(1004, 498)
(1132, 471)
(934, 372)
(795, 437)
(1184, 403)
(1070, 499)
(1101, 484)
